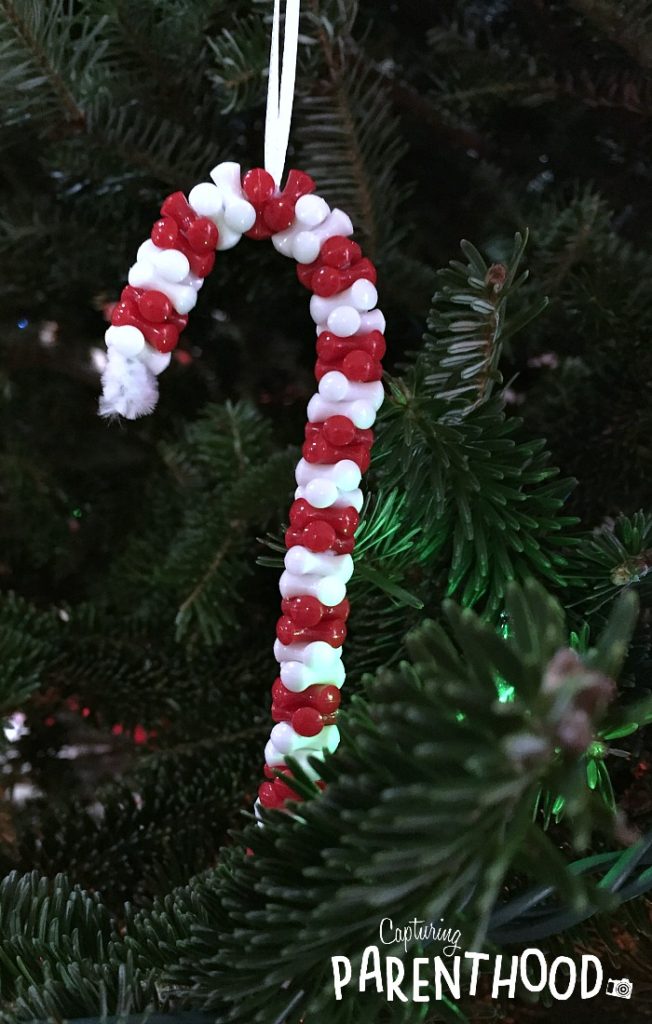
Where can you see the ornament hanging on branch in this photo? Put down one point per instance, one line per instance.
(145, 326)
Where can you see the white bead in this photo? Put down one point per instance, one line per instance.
(301, 560)
(182, 296)
(321, 493)
(336, 387)
(303, 757)
(228, 237)
(311, 210)
(239, 215)
(297, 677)
(317, 654)
(206, 200)
(345, 474)
(285, 740)
(361, 296)
(372, 321)
(154, 360)
(330, 590)
(361, 413)
(329, 496)
(236, 214)
(170, 263)
(272, 756)
(306, 247)
(125, 339)
(304, 244)
(226, 176)
(364, 295)
(344, 321)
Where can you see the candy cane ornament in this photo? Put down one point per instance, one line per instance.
(145, 326)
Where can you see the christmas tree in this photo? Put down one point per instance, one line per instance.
(494, 770)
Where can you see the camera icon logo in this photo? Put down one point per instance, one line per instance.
(621, 988)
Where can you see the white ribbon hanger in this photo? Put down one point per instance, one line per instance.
(280, 88)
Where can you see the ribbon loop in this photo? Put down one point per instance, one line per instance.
(280, 88)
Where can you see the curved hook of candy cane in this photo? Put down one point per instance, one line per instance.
(153, 309)
(171, 265)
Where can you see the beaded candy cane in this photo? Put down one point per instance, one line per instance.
(145, 326)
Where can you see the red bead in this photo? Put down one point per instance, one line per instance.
(324, 697)
(258, 186)
(344, 520)
(328, 699)
(279, 215)
(330, 347)
(179, 209)
(358, 357)
(284, 791)
(317, 449)
(153, 314)
(155, 306)
(268, 796)
(307, 611)
(274, 211)
(340, 252)
(331, 631)
(304, 610)
(165, 233)
(203, 235)
(305, 272)
(182, 229)
(339, 430)
(307, 721)
(325, 282)
(317, 536)
(358, 366)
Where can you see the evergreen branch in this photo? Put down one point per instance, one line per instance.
(461, 354)
(480, 495)
(185, 608)
(241, 57)
(162, 823)
(433, 831)
(47, 52)
(630, 27)
(28, 27)
(26, 640)
(615, 90)
(614, 558)
(348, 140)
(155, 145)
(524, 918)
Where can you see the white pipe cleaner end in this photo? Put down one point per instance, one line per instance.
(129, 388)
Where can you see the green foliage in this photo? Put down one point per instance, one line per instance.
(432, 830)
(144, 833)
(240, 63)
(131, 601)
(226, 461)
(51, 50)
(462, 350)
(617, 556)
(25, 640)
(486, 497)
(352, 147)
